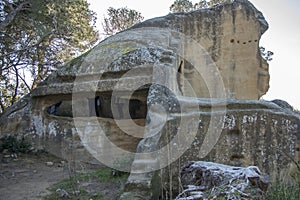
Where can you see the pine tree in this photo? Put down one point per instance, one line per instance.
(36, 37)
(187, 6)
(120, 19)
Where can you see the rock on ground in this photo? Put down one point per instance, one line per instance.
(207, 180)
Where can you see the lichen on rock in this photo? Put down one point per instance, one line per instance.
(206, 180)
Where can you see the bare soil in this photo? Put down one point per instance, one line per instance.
(30, 177)
(27, 176)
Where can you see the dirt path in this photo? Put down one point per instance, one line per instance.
(27, 176)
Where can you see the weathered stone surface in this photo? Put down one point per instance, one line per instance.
(185, 71)
(283, 104)
(206, 180)
(243, 133)
(230, 33)
(227, 34)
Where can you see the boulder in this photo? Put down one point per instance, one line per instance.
(207, 180)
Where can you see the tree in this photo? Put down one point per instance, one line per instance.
(120, 19)
(181, 6)
(201, 5)
(187, 6)
(36, 37)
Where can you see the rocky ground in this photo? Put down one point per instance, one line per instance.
(35, 176)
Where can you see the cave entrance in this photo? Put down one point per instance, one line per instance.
(104, 104)
(100, 106)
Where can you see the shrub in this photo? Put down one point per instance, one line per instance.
(12, 144)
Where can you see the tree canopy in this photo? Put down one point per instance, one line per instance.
(181, 6)
(36, 37)
(120, 19)
(187, 6)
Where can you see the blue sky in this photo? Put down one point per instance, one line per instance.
(283, 38)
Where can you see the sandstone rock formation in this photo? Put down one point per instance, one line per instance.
(230, 33)
(248, 133)
(173, 89)
(224, 38)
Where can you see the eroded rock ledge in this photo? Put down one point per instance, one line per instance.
(182, 51)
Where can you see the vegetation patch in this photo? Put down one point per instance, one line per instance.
(281, 191)
(14, 145)
(99, 185)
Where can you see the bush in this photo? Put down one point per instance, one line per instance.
(12, 144)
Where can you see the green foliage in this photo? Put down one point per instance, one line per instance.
(120, 19)
(38, 36)
(180, 6)
(67, 185)
(105, 175)
(282, 191)
(289, 188)
(12, 144)
(71, 184)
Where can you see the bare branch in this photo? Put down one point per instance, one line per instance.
(30, 46)
(16, 86)
(2, 107)
(13, 12)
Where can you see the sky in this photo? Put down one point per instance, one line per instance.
(282, 37)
